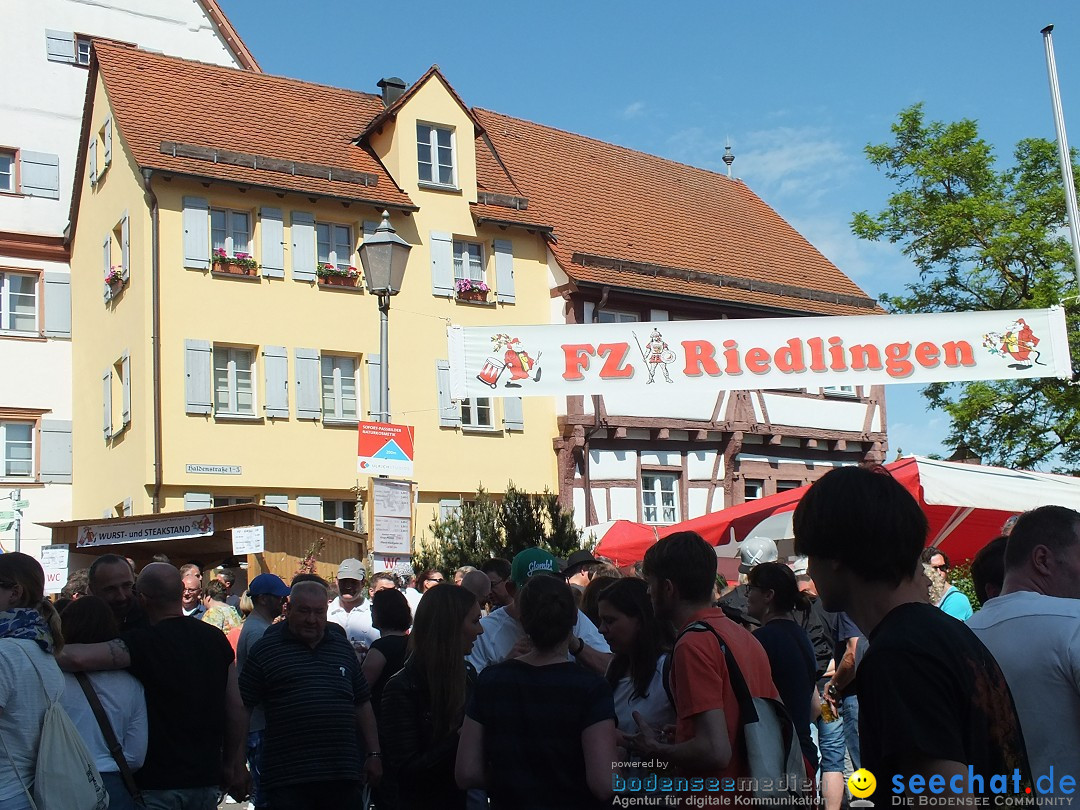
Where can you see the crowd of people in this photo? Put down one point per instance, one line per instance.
(538, 683)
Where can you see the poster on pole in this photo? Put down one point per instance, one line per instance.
(392, 535)
(54, 561)
(248, 540)
(385, 449)
(391, 505)
(392, 498)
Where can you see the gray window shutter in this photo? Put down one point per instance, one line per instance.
(55, 451)
(107, 132)
(308, 396)
(504, 270)
(276, 369)
(60, 46)
(442, 264)
(197, 500)
(374, 361)
(448, 507)
(125, 370)
(125, 246)
(106, 255)
(196, 233)
(106, 395)
(272, 228)
(449, 411)
(277, 502)
(370, 227)
(197, 370)
(513, 416)
(58, 305)
(129, 508)
(309, 506)
(91, 160)
(40, 174)
(303, 246)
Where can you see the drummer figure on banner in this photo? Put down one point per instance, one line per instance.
(656, 354)
(518, 362)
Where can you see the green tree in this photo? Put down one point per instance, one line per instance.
(983, 239)
(485, 527)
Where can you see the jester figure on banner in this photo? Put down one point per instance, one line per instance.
(516, 361)
(1018, 342)
(656, 354)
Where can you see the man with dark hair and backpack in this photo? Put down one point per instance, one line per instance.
(708, 742)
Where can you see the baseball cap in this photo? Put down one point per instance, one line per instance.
(754, 551)
(351, 569)
(268, 584)
(532, 561)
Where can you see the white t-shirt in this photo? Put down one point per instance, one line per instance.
(413, 597)
(655, 707)
(122, 698)
(502, 631)
(22, 709)
(1036, 641)
(357, 622)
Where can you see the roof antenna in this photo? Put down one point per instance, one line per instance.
(728, 158)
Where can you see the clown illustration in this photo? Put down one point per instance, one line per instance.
(1018, 342)
(656, 354)
(515, 360)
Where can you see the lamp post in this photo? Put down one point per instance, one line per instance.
(384, 255)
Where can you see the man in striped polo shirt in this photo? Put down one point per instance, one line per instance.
(305, 675)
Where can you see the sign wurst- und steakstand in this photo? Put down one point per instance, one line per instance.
(206, 536)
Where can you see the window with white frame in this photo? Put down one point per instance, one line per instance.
(230, 231)
(839, 390)
(230, 501)
(477, 412)
(660, 498)
(82, 50)
(617, 316)
(340, 513)
(8, 162)
(435, 155)
(17, 444)
(334, 244)
(753, 489)
(18, 302)
(786, 486)
(234, 381)
(339, 387)
(468, 260)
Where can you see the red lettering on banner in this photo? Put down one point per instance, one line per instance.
(897, 363)
(789, 359)
(865, 357)
(757, 361)
(614, 354)
(926, 354)
(700, 358)
(817, 354)
(731, 354)
(577, 359)
(836, 352)
(958, 353)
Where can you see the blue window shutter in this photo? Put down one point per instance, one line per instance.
(107, 137)
(449, 411)
(106, 255)
(277, 502)
(57, 305)
(308, 395)
(374, 361)
(125, 246)
(125, 370)
(442, 264)
(196, 233)
(197, 394)
(91, 161)
(39, 174)
(55, 451)
(276, 369)
(60, 46)
(513, 415)
(309, 506)
(106, 395)
(194, 501)
(303, 246)
(272, 228)
(504, 270)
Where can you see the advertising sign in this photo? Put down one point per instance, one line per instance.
(385, 449)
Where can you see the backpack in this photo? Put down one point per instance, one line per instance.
(65, 777)
(771, 745)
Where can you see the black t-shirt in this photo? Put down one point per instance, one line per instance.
(533, 718)
(793, 671)
(928, 688)
(393, 649)
(820, 626)
(734, 604)
(184, 669)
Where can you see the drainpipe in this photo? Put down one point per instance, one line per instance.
(155, 334)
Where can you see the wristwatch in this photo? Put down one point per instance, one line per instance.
(580, 647)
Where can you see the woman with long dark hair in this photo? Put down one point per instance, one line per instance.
(428, 579)
(423, 705)
(29, 678)
(772, 597)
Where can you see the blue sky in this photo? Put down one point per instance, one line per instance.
(797, 88)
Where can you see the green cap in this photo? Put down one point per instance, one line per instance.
(532, 561)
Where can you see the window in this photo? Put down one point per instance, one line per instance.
(230, 501)
(340, 513)
(17, 444)
(839, 391)
(753, 489)
(334, 244)
(339, 388)
(234, 383)
(785, 486)
(18, 302)
(82, 50)
(660, 498)
(468, 261)
(7, 170)
(230, 231)
(615, 316)
(435, 155)
(476, 412)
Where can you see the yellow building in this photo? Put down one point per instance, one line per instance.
(198, 385)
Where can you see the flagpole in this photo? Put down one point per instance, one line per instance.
(1064, 155)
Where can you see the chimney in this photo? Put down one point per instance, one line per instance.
(392, 88)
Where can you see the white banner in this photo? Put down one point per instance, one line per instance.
(144, 531)
(54, 562)
(569, 359)
(248, 540)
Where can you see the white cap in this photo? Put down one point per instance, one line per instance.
(754, 551)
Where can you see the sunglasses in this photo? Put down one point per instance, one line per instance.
(434, 579)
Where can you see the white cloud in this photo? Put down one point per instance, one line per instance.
(633, 110)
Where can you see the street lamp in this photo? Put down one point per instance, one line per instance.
(384, 255)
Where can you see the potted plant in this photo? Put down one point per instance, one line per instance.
(114, 278)
(334, 276)
(470, 290)
(239, 264)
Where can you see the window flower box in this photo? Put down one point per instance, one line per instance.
(469, 290)
(330, 275)
(240, 264)
(115, 278)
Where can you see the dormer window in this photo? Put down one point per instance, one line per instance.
(435, 155)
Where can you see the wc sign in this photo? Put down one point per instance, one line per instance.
(54, 561)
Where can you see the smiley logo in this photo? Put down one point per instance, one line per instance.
(862, 783)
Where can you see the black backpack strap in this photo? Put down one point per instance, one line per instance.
(116, 750)
(747, 712)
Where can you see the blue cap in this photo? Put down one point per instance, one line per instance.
(268, 584)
